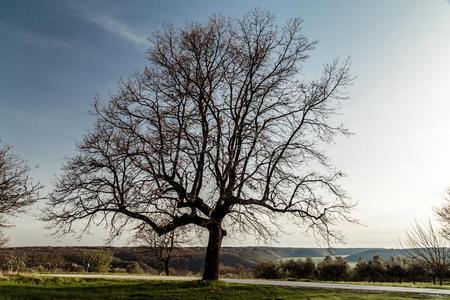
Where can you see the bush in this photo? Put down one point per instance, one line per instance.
(97, 260)
(234, 271)
(11, 262)
(361, 270)
(396, 269)
(377, 269)
(416, 270)
(40, 269)
(76, 268)
(269, 270)
(45, 261)
(299, 268)
(118, 270)
(372, 270)
(333, 269)
(135, 268)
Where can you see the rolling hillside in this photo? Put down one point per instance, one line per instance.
(369, 253)
(192, 258)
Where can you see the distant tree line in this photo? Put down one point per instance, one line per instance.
(427, 258)
(98, 261)
(394, 269)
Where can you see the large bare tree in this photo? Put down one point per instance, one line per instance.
(220, 131)
(17, 191)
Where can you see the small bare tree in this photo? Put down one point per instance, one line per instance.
(428, 245)
(443, 214)
(219, 131)
(3, 238)
(12, 262)
(16, 188)
(162, 247)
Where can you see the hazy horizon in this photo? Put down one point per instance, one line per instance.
(57, 55)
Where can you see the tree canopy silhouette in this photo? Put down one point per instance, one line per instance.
(219, 131)
(17, 191)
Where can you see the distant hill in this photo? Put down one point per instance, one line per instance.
(186, 258)
(192, 258)
(285, 252)
(318, 252)
(370, 253)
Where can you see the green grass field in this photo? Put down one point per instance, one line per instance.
(18, 287)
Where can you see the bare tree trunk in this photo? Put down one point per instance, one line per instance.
(166, 267)
(211, 271)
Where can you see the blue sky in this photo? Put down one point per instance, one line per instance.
(55, 56)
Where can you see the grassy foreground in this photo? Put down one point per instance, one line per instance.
(19, 287)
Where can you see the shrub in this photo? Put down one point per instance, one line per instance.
(416, 270)
(234, 271)
(118, 270)
(40, 269)
(299, 268)
(11, 262)
(377, 269)
(76, 268)
(97, 260)
(333, 269)
(361, 270)
(396, 269)
(269, 270)
(45, 261)
(135, 268)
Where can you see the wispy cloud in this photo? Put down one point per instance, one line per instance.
(119, 28)
(111, 24)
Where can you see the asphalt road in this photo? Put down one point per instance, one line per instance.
(293, 284)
